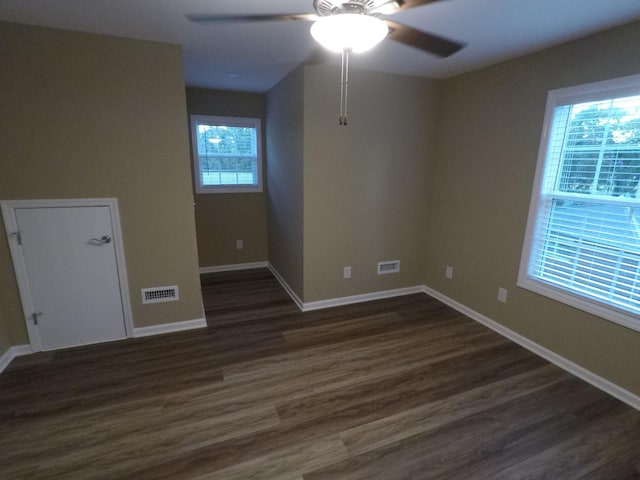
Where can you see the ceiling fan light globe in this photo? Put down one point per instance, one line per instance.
(349, 31)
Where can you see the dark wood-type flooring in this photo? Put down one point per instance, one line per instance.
(404, 388)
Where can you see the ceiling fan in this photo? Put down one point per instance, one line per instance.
(348, 26)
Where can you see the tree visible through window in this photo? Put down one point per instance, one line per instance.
(601, 149)
(583, 237)
(227, 154)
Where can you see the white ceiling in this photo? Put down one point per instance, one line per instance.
(255, 56)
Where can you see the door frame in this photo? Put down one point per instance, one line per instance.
(9, 208)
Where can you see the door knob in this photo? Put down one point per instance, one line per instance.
(101, 241)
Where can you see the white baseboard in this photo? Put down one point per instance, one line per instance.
(19, 350)
(588, 376)
(287, 288)
(337, 302)
(237, 266)
(365, 297)
(13, 352)
(169, 328)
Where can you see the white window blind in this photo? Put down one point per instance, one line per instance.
(583, 238)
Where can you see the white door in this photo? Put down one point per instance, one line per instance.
(72, 275)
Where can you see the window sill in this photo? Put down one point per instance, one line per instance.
(607, 312)
(229, 189)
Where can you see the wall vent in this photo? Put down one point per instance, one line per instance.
(392, 266)
(160, 294)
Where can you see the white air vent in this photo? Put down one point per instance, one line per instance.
(388, 267)
(160, 294)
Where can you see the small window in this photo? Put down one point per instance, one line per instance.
(582, 245)
(227, 154)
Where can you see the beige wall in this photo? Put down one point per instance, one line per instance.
(489, 132)
(365, 184)
(223, 218)
(93, 116)
(285, 136)
(13, 331)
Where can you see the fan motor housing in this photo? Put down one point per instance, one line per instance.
(326, 8)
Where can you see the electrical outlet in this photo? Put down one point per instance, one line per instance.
(502, 295)
(346, 272)
(239, 244)
(449, 272)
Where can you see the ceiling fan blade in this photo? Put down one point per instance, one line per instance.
(251, 18)
(424, 41)
(407, 4)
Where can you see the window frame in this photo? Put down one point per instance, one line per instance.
(616, 88)
(250, 122)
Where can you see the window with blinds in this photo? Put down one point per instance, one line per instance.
(226, 154)
(582, 245)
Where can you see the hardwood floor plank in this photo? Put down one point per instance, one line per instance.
(437, 453)
(155, 433)
(511, 445)
(64, 396)
(414, 421)
(281, 379)
(399, 344)
(152, 442)
(581, 454)
(618, 469)
(287, 464)
(385, 395)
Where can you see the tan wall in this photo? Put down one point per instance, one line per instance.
(13, 330)
(489, 134)
(285, 124)
(94, 116)
(223, 218)
(365, 184)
